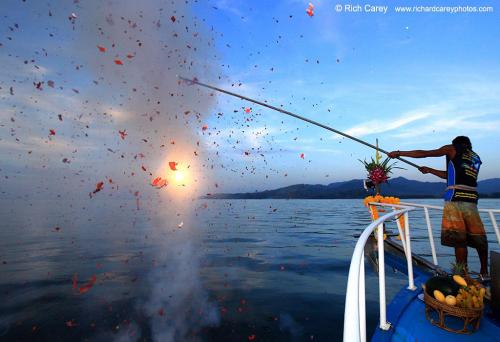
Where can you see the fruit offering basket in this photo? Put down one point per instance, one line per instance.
(469, 316)
(456, 303)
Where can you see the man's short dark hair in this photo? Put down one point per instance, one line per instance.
(462, 141)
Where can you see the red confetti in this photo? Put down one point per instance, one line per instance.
(71, 324)
(248, 110)
(123, 134)
(52, 131)
(118, 62)
(172, 165)
(310, 9)
(251, 337)
(172, 18)
(159, 182)
(204, 128)
(302, 155)
(129, 56)
(98, 187)
(75, 281)
(101, 48)
(88, 286)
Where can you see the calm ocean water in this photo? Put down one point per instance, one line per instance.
(263, 270)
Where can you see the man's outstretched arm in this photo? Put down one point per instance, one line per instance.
(439, 173)
(447, 150)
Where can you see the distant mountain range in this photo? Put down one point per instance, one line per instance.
(400, 187)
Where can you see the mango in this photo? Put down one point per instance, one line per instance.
(459, 280)
(439, 296)
(451, 300)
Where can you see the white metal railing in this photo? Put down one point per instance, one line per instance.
(426, 207)
(491, 214)
(355, 307)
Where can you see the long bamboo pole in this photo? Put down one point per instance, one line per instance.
(195, 81)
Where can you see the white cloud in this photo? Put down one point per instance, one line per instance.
(450, 123)
(386, 125)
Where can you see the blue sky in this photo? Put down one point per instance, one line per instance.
(410, 80)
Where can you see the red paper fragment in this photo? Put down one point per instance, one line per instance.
(248, 110)
(118, 62)
(310, 10)
(123, 134)
(52, 131)
(302, 155)
(204, 128)
(129, 56)
(71, 324)
(98, 187)
(75, 281)
(159, 182)
(101, 48)
(89, 285)
(172, 165)
(251, 337)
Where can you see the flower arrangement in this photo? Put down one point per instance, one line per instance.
(378, 172)
(374, 210)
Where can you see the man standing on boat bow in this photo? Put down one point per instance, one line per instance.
(461, 225)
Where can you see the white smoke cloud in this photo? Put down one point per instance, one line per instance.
(88, 98)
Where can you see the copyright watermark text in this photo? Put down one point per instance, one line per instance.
(384, 9)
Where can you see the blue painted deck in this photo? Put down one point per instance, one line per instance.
(406, 313)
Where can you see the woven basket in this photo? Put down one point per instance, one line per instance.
(471, 317)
